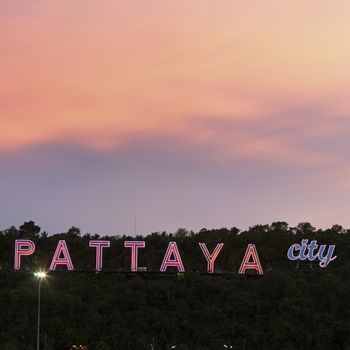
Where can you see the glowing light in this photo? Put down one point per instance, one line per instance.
(40, 274)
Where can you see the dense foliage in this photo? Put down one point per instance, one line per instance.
(292, 307)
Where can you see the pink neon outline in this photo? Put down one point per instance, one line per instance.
(211, 257)
(176, 262)
(246, 264)
(66, 260)
(134, 245)
(99, 245)
(23, 247)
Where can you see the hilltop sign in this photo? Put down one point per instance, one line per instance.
(311, 252)
(172, 257)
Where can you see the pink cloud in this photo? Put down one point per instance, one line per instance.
(104, 75)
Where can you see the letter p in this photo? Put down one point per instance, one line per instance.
(23, 247)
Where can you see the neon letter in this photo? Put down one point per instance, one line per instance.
(134, 245)
(292, 248)
(304, 246)
(211, 257)
(99, 245)
(251, 261)
(325, 259)
(312, 246)
(172, 258)
(22, 247)
(61, 249)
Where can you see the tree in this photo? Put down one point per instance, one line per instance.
(30, 229)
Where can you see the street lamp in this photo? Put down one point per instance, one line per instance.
(40, 275)
(152, 345)
(228, 347)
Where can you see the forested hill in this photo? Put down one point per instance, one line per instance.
(293, 306)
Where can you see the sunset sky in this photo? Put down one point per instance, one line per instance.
(186, 113)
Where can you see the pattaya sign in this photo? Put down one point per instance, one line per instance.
(172, 257)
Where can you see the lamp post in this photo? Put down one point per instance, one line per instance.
(40, 276)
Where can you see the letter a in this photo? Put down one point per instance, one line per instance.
(172, 258)
(251, 261)
(61, 249)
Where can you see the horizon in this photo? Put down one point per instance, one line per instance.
(174, 232)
